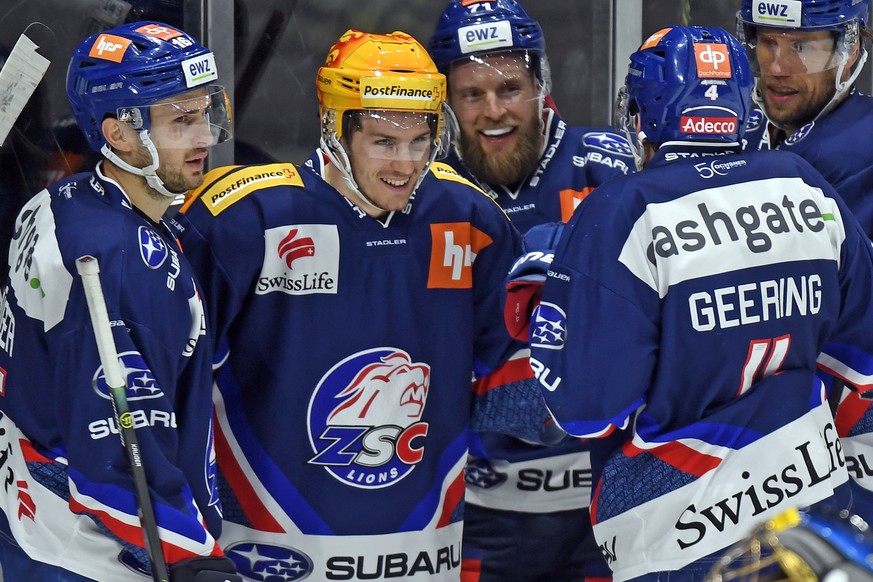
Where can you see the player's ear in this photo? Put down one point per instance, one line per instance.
(118, 135)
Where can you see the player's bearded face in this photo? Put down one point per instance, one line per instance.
(179, 170)
(496, 99)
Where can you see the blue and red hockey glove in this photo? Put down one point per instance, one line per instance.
(524, 283)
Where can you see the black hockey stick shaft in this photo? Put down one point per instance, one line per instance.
(89, 271)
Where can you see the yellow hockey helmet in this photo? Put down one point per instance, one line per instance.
(378, 71)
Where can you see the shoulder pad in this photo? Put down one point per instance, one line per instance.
(224, 186)
(444, 171)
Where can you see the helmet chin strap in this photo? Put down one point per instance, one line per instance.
(845, 86)
(638, 149)
(150, 172)
(339, 158)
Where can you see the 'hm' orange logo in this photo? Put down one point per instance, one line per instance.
(109, 47)
(454, 248)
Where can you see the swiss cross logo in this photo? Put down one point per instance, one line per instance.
(109, 47)
(713, 61)
(570, 199)
(2, 382)
(159, 31)
(293, 247)
(454, 248)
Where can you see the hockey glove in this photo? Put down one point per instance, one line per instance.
(204, 570)
(524, 284)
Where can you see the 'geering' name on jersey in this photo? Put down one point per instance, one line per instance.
(764, 230)
(754, 302)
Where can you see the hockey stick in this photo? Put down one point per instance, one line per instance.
(89, 271)
(19, 76)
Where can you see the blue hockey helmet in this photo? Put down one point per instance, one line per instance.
(132, 66)
(801, 546)
(801, 14)
(469, 28)
(845, 18)
(686, 83)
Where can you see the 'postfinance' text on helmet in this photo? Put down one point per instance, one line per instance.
(378, 71)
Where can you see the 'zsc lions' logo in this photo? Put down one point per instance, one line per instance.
(365, 417)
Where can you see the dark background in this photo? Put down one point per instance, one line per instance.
(278, 45)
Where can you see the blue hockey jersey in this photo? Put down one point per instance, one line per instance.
(838, 146)
(344, 396)
(505, 473)
(69, 497)
(575, 160)
(687, 306)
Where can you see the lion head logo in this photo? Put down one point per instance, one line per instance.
(391, 391)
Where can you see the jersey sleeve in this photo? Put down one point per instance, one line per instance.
(848, 355)
(501, 243)
(588, 310)
(100, 480)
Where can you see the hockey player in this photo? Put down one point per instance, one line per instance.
(514, 145)
(145, 96)
(712, 282)
(355, 295)
(510, 139)
(806, 68)
(806, 63)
